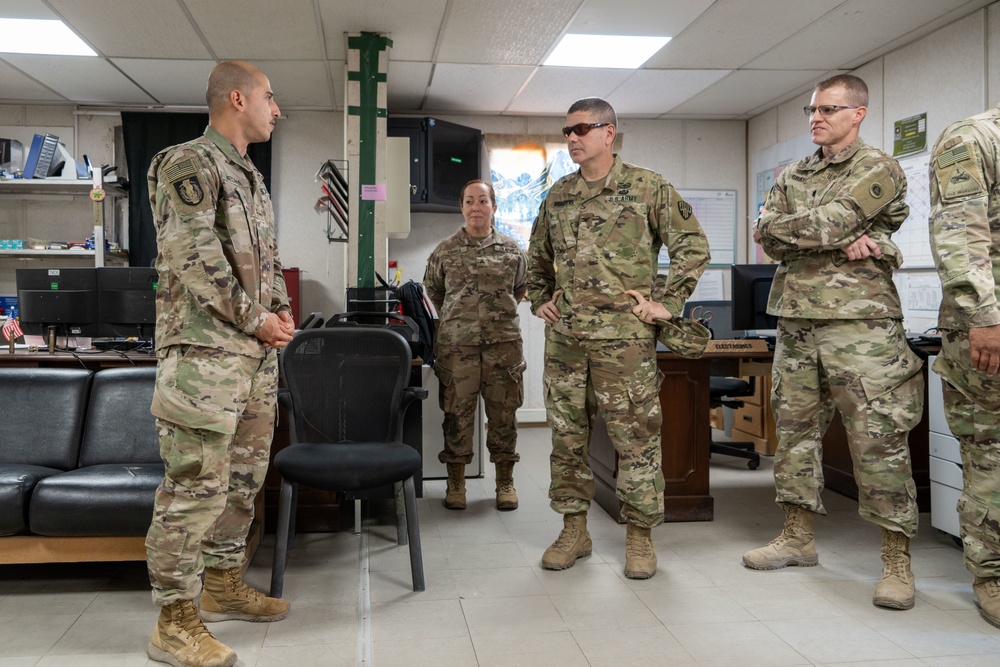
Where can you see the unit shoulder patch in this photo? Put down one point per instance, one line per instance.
(874, 191)
(684, 209)
(183, 177)
(959, 174)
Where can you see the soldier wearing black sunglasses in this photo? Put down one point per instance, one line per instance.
(603, 228)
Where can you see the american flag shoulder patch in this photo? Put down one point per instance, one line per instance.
(179, 170)
(957, 154)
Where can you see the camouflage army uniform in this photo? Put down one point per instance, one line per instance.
(595, 245)
(965, 238)
(219, 277)
(476, 284)
(840, 339)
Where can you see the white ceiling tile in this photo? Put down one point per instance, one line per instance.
(149, 29)
(82, 79)
(474, 88)
(662, 18)
(412, 26)
(16, 86)
(552, 90)
(734, 32)
(299, 83)
(25, 9)
(258, 29)
(860, 26)
(650, 92)
(515, 32)
(744, 90)
(408, 84)
(172, 82)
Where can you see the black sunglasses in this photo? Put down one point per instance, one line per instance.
(581, 129)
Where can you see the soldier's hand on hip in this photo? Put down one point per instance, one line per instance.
(648, 311)
(985, 345)
(550, 311)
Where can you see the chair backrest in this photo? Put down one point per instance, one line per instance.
(41, 415)
(721, 313)
(120, 428)
(346, 383)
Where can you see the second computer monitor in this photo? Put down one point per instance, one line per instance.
(65, 299)
(127, 301)
(751, 286)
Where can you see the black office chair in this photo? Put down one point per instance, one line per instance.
(346, 391)
(724, 391)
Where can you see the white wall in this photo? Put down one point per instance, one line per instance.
(946, 74)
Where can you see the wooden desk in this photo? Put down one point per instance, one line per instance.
(94, 361)
(685, 434)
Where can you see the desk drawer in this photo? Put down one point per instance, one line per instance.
(759, 387)
(749, 419)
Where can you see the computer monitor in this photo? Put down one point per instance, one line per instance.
(751, 286)
(126, 301)
(62, 298)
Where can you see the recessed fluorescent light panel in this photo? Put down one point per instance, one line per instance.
(608, 51)
(41, 37)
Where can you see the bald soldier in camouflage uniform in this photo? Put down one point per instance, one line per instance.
(475, 279)
(965, 238)
(840, 340)
(597, 235)
(222, 311)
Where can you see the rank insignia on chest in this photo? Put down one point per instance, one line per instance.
(684, 209)
(189, 190)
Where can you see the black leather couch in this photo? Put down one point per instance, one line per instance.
(79, 463)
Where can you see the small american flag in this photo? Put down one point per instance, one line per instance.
(11, 329)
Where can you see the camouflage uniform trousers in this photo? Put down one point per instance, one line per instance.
(972, 407)
(865, 369)
(215, 447)
(619, 377)
(496, 372)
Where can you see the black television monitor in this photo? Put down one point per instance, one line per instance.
(126, 301)
(62, 298)
(751, 286)
(443, 157)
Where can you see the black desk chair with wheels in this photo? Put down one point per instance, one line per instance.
(346, 393)
(724, 391)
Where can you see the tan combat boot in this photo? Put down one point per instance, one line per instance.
(573, 542)
(454, 498)
(896, 589)
(987, 597)
(506, 494)
(226, 598)
(180, 639)
(640, 559)
(795, 545)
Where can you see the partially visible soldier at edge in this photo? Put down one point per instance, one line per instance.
(222, 312)
(840, 339)
(965, 240)
(603, 227)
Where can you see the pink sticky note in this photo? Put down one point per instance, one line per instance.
(373, 192)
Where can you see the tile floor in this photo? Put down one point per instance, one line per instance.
(489, 603)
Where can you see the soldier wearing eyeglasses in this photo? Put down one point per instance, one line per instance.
(596, 237)
(840, 344)
(965, 239)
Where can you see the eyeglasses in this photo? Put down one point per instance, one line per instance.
(826, 109)
(581, 129)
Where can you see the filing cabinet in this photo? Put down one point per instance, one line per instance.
(946, 460)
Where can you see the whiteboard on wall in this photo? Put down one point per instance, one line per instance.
(716, 211)
(913, 236)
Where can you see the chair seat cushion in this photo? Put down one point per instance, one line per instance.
(17, 481)
(722, 386)
(101, 500)
(351, 466)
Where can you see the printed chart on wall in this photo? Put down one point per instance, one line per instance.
(913, 237)
(767, 165)
(716, 211)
